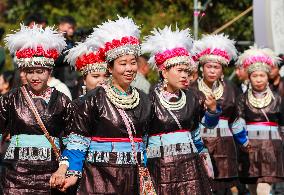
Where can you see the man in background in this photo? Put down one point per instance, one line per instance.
(36, 19)
(243, 79)
(276, 82)
(140, 82)
(62, 70)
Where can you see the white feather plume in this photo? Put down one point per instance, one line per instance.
(164, 39)
(220, 41)
(75, 52)
(112, 29)
(27, 37)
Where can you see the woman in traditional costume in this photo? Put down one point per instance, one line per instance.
(88, 62)
(175, 152)
(262, 112)
(34, 115)
(213, 54)
(108, 127)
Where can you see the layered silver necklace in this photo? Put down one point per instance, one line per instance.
(123, 101)
(260, 102)
(217, 91)
(176, 105)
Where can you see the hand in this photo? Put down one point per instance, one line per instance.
(6, 138)
(210, 103)
(246, 148)
(57, 179)
(69, 181)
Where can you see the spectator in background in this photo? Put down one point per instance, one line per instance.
(281, 71)
(6, 82)
(36, 19)
(67, 25)
(193, 76)
(243, 79)
(276, 83)
(62, 70)
(140, 82)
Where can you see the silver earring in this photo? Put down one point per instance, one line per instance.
(84, 88)
(165, 83)
(202, 73)
(109, 79)
(222, 77)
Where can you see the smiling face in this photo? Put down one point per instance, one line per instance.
(92, 79)
(124, 70)
(37, 78)
(259, 80)
(177, 77)
(212, 72)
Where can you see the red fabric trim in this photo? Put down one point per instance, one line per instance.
(180, 130)
(115, 139)
(224, 118)
(263, 123)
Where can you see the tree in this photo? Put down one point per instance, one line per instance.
(147, 13)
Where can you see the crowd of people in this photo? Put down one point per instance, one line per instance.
(82, 118)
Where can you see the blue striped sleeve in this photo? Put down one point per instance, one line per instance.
(195, 135)
(75, 152)
(239, 131)
(211, 119)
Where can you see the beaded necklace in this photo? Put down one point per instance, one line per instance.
(123, 100)
(118, 92)
(45, 95)
(262, 101)
(217, 92)
(164, 99)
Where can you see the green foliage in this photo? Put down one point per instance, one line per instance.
(147, 13)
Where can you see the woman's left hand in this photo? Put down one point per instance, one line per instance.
(246, 148)
(58, 178)
(69, 181)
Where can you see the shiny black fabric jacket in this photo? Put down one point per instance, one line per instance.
(274, 111)
(17, 118)
(96, 116)
(189, 116)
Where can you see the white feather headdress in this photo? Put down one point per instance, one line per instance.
(85, 59)
(168, 48)
(214, 48)
(256, 58)
(119, 37)
(35, 46)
